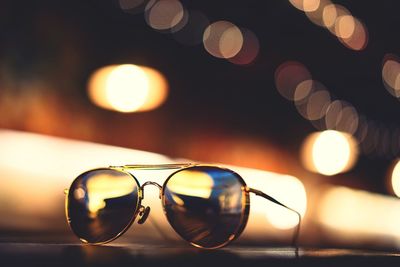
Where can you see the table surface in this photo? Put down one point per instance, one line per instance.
(129, 254)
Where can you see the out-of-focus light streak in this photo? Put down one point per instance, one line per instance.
(357, 214)
(36, 169)
(127, 88)
(329, 152)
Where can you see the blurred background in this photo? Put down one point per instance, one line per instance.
(305, 88)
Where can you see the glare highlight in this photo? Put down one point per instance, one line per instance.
(396, 179)
(127, 88)
(329, 152)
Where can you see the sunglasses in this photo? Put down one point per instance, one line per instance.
(208, 206)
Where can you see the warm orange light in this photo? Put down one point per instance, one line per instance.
(396, 179)
(127, 88)
(305, 5)
(345, 26)
(316, 16)
(223, 39)
(329, 152)
(359, 38)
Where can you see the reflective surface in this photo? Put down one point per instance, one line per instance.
(206, 206)
(102, 204)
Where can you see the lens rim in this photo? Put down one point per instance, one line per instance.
(134, 215)
(245, 207)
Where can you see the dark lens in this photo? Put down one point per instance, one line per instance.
(206, 205)
(102, 204)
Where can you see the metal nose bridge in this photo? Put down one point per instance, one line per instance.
(151, 183)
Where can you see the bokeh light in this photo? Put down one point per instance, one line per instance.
(250, 49)
(395, 179)
(349, 30)
(164, 14)
(344, 26)
(223, 39)
(288, 76)
(391, 75)
(316, 16)
(317, 105)
(305, 5)
(359, 38)
(329, 152)
(127, 88)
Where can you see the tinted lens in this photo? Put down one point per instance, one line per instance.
(207, 206)
(102, 204)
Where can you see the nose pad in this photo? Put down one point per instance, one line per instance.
(144, 214)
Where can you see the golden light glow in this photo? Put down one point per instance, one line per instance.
(396, 179)
(166, 14)
(192, 183)
(127, 88)
(391, 75)
(356, 213)
(223, 39)
(329, 152)
(305, 5)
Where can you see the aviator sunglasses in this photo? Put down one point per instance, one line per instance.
(208, 206)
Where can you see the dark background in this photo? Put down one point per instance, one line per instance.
(48, 49)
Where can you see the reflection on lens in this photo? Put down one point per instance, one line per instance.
(102, 204)
(206, 205)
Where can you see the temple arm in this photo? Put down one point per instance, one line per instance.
(297, 230)
(154, 166)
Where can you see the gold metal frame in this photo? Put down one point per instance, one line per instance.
(180, 167)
